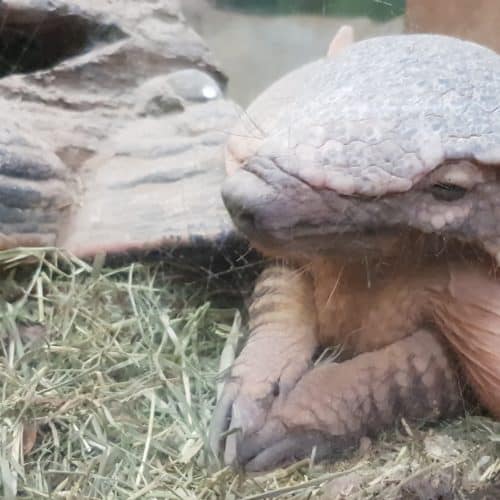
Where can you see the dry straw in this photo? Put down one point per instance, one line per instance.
(108, 380)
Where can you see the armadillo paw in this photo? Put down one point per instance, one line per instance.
(245, 405)
(276, 446)
(236, 415)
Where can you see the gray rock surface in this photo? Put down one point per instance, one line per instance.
(112, 124)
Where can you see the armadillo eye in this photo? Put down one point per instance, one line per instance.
(447, 192)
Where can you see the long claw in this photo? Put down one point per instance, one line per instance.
(235, 416)
(221, 418)
(247, 416)
(291, 448)
(254, 444)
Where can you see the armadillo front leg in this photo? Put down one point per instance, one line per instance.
(279, 351)
(334, 405)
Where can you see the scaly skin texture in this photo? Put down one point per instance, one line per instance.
(282, 342)
(373, 176)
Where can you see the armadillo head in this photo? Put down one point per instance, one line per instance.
(391, 136)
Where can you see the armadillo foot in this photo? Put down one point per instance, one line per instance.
(279, 351)
(334, 405)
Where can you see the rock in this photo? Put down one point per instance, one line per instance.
(117, 141)
(155, 185)
(167, 93)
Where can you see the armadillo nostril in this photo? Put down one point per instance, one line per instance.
(238, 197)
(246, 220)
(235, 201)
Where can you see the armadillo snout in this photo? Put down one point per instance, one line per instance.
(245, 196)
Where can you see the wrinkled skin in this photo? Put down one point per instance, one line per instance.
(373, 176)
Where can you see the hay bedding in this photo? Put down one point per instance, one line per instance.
(108, 378)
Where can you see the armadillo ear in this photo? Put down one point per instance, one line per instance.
(342, 39)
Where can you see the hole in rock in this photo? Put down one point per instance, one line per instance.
(36, 39)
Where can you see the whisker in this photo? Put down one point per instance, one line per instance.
(335, 286)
